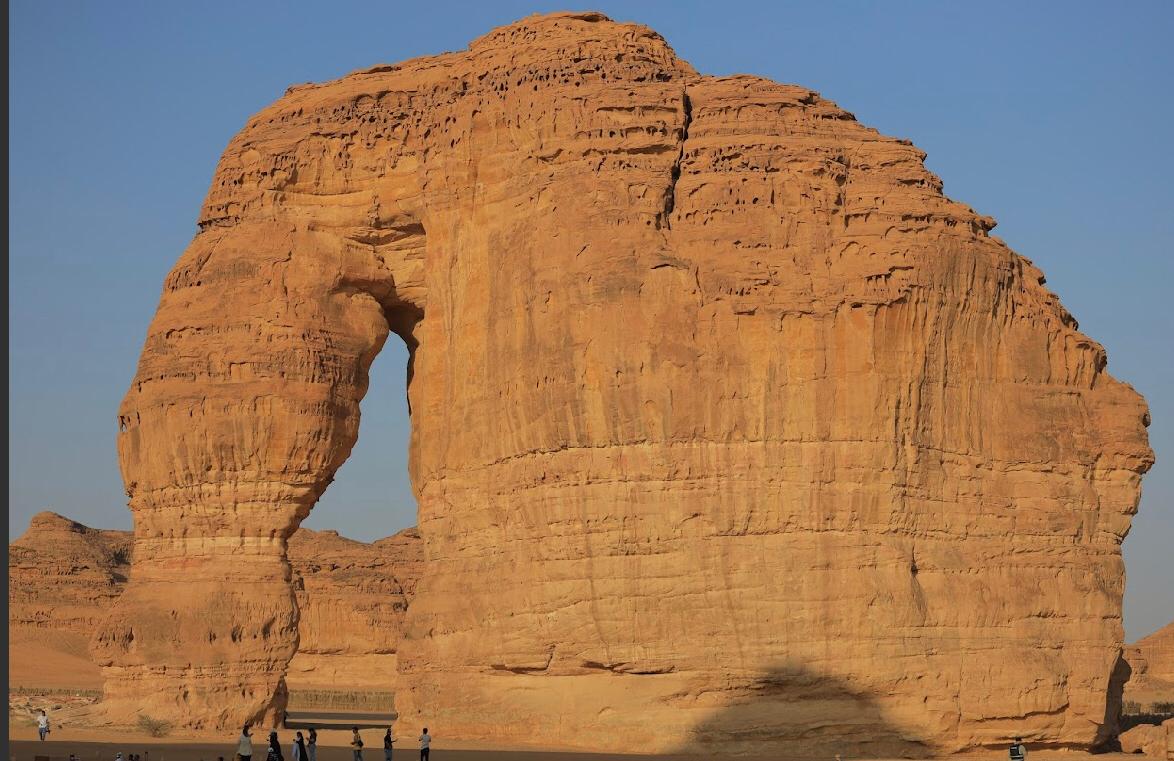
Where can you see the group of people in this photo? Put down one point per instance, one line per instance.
(306, 748)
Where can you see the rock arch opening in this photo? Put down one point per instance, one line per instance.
(371, 495)
(357, 556)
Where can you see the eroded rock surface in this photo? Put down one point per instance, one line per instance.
(729, 430)
(1151, 663)
(1150, 740)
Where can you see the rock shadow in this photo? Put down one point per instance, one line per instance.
(1114, 722)
(791, 712)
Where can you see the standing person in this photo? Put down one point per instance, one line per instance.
(356, 744)
(299, 748)
(1018, 750)
(43, 724)
(244, 747)
(387, 741)
(274, 753)
(425, 741)
(312, 744)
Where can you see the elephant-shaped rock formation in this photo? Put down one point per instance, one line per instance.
(726, 422)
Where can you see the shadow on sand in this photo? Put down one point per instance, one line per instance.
(793, 713)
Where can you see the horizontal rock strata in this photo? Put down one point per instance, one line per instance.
(730, 431)
(352, 598)
(1151, 665)
(64, 579)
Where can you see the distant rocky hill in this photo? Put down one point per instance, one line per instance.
(64, 577)
(1151, 660)
(352, 598)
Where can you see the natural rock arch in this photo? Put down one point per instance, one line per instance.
(708, 377)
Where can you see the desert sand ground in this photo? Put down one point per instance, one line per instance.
(102, 745)
(23, 746)
(165, 750)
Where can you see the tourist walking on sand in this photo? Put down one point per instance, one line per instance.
(1018, 750)
(425, 741)
(387, 742)
(43, 724)
(244, 747)
(312, 744)
(299, 748)
(356, 744)
(274, 748)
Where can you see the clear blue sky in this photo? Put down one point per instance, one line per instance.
(1055, 118)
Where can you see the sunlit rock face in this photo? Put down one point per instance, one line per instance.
(729, 430)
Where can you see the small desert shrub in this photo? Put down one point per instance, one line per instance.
(1131, 707)
(1165, 707)
(154, 727)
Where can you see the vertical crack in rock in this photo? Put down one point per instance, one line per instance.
(670, 200)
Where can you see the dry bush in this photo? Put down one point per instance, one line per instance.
(154, 727)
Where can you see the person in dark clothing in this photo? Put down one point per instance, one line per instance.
(388, 740)
(312, 744)
(299, 748)
(1018, 750)
(274, 753)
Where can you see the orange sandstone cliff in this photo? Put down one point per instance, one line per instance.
(730, 431)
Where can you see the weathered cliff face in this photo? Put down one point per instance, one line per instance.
(352, 598)
(1151, 665)
(729, 429)
(63, 578)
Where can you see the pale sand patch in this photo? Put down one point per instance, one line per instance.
(47, 665)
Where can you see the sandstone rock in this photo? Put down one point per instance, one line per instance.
(352, 598)
(1148, 739)
(730, 431)
(63, 578)
(1151, 663)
